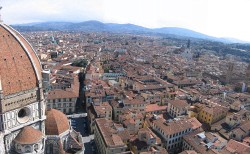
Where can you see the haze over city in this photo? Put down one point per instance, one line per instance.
(224, 18)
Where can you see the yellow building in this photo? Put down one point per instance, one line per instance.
(192, 112)
(208, 113)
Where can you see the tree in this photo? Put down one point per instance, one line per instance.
(80, 63)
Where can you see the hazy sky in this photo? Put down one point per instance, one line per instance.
(220, 18)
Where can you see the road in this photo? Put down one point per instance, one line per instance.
(80, 125)
(89, 145)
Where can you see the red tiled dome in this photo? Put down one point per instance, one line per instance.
(28, 135)
(56, 122)
(20, 68)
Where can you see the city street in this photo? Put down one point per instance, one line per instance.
(89, 145)
(80, 125)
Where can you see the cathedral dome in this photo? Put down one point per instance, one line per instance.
(56, 122)
(20, 68)
(28, 135)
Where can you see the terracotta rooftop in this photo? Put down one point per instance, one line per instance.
(56, 122)
(214, 110)
(72, 92)
(172, 127)
(179, 103)
(20, 68)
(59, 93)
(246, 141)
(196, 124)
(237, 147)
(28, 135)
(196, 143)
(243, 128)
(155, 107)
(109, 133)
(134, 101)
(103, 108)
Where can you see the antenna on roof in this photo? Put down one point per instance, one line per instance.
(0, 14)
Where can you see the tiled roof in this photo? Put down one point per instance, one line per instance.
(59, 93)
(237, 147)
(196, 143)
(18, 62)
(134, 101)
(172, 127)
(196, 124)
(215, 110)
(155, 107)
(28, 135)
(30, 50)
(56, 122)
(72, 92)
(179, 103)
(109, 133)
(103, 108)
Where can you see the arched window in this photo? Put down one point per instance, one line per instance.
(27, 149)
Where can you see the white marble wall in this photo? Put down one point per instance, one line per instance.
(10, 126)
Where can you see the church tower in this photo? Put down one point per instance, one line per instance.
(22, 105)
(229, 72)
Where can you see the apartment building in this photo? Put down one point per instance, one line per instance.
(107, 137)
(172, 132)
(62, 100)
(208, 113)
(177, 107)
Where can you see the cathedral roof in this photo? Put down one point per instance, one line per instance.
(56, 122)
(20, 68)
(28, 135)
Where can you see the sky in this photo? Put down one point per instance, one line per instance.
(219, 18)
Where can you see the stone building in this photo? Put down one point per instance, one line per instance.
(171, 132)
(62, 98)
(177, 107)
(108, 137)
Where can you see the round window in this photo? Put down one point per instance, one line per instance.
(23, 115)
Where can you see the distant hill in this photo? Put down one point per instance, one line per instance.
(97, 26)
(187, 33)
(234, 40)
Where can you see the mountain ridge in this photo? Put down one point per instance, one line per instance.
(93, 25)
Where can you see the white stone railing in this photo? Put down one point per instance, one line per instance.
(77, 115)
